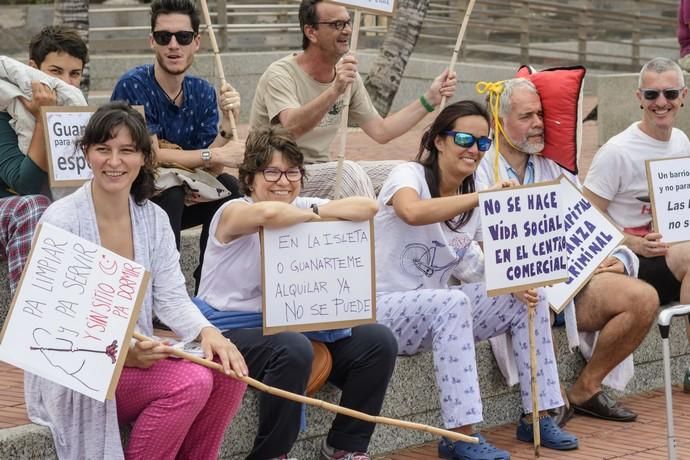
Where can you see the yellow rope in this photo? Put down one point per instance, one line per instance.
(494, 89)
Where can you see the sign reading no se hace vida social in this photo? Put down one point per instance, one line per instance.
(383, 7)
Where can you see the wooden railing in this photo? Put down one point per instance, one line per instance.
(615, 35)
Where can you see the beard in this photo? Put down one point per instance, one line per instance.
(161, 62)
(531, 147)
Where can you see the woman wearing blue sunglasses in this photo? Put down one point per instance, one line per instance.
(426, 231)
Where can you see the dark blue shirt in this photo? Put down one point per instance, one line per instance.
(192, 126)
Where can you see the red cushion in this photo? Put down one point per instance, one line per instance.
(559, 89)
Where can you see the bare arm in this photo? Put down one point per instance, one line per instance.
(243, 218)
(383, 130)
(230, 155)
(415, 211)
(355, 208)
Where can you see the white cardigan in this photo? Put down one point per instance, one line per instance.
(84, 428)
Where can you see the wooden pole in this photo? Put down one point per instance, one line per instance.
(317, 402)
(534, 389)
(218, 62)
(346, 109)
(458, 45)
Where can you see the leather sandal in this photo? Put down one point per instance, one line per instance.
(459, 450)
(605, 407)
(552, 436)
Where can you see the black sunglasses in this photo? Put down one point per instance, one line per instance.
(652, 94)
(183, 37)
(339, 24)
(467, 140)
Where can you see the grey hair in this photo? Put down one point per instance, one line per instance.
(661, 65)
(508, 87)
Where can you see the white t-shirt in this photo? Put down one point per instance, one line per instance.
(618, 174)
(413, 257)
(231, 274)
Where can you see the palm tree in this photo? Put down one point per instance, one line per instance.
(384, 78)
(75, 14)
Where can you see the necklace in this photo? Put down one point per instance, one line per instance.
(172, 100)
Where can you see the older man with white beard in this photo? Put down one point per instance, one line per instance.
(620, 307)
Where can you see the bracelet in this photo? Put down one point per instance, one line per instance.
(426, 104)
(315, 208)
(225, 135)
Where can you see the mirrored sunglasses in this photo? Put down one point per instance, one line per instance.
(467, 140)
(652, 94)
(274, 174)
(183, 37)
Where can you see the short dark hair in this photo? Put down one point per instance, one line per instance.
(57, 39)
(103, 126)
(260, 146)
(159, 7)
(308, 17)
(428, 153)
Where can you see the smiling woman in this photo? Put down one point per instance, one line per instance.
(113, 210)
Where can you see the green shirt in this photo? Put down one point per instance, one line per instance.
(19, 175)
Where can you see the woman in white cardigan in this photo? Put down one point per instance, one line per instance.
(175, 408)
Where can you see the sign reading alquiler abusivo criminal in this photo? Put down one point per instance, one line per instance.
(318, 276)
(524, 237)
(385, 7)
(64, 127)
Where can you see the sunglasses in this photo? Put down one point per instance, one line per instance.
(274, 174)
(183, 37)
(467, 140)
(652, 94)
(339, 24)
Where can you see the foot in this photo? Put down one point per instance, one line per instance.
(552, 436)
(460, 450)
(605, 407)
(329, 453)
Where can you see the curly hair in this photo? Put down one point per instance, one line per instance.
(103, 126)
(259, 149)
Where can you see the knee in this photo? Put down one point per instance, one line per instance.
(195, 384)
(293, 352)
(382, 337)
(644, 301)
(32, 207)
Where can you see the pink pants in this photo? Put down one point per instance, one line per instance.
(177, 409)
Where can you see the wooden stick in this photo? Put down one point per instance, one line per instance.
(346, 109)
(534, 389)
(458, 44)
(317, 402)
(218, 62)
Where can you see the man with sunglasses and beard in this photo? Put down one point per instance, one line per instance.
(619, 307)
(182, 113)
(617, 181)
(305, 93)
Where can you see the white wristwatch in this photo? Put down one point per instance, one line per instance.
(206, 157)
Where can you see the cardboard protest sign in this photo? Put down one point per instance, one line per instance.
(669, 189)
(590, 238)
(73, 313)
(63, 127)
(524, 237)
(318, 276)
(382, 7)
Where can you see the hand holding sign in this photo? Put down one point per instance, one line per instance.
(669, 184)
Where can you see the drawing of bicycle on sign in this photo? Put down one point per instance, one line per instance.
(419, 258)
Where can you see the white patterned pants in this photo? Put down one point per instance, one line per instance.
(449, 322)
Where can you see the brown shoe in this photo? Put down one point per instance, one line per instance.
(603, 406)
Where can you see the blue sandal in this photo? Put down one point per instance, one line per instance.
(552, 436)
(467, 451)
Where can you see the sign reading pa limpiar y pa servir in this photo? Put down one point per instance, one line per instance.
(524, 237)
(318, 276)
(73, 313)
